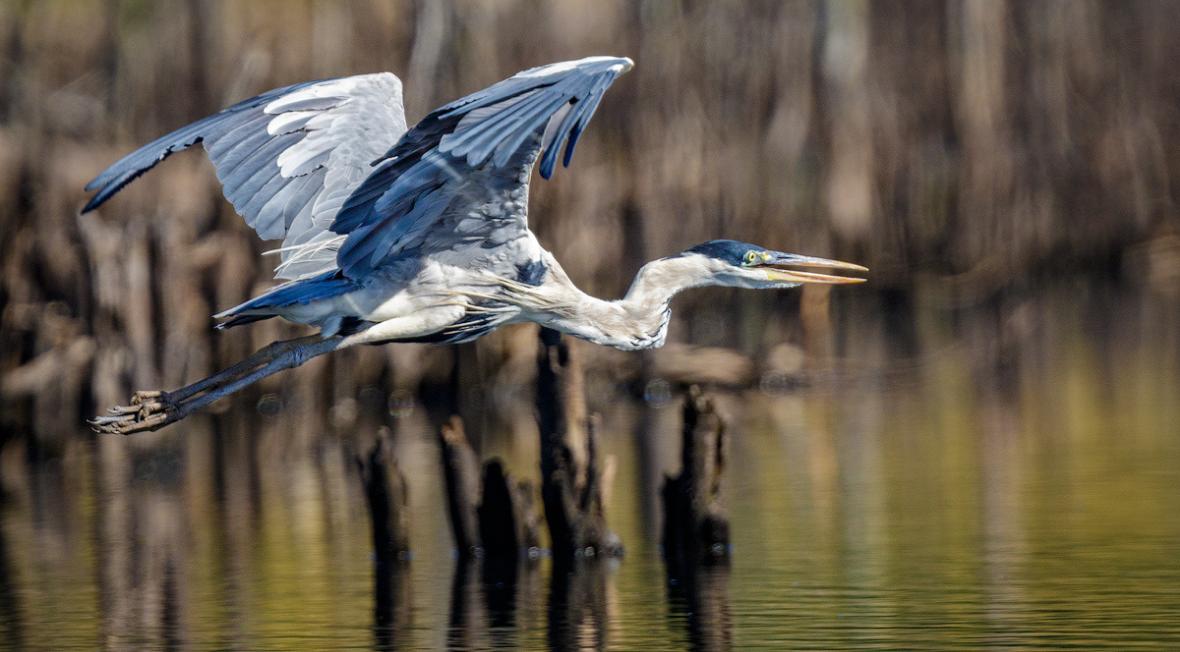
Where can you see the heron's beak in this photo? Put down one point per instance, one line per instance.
(782, 267)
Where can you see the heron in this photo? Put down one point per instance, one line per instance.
(396, 234)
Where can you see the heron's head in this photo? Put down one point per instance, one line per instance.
(738, 264)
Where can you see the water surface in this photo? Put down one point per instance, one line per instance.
(1004, 477)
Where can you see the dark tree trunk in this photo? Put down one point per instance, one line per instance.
(696, 527)
(499, 520)
(460, 469)
(571, 485)
(388, 501)
(508, 520)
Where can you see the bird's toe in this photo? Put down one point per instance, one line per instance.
(111, 424)
(146, 396)
(148, 411)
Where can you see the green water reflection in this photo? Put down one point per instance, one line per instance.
(1010, 481)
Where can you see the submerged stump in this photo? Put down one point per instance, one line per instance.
(508, 521)
(696, 524)
(498, 520)
(572, 485)
(460, 475)
(494, 518)
(387, 498)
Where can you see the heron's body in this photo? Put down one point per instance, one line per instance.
(474, 303)
(392, 234)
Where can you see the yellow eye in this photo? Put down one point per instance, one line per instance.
(750, 257)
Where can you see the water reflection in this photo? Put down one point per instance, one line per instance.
(495, 606)
(491, 605)
(11, 627)
(140, 546)
(509, 586)
(700, 597)
(578, 613)
(467, 629)
(392, 608)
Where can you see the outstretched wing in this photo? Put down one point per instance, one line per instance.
(459, 179)
(286, 159)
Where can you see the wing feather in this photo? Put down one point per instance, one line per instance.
(265, 223)
(245, 179)
(279, 153)
(329, 166)
(458, 180)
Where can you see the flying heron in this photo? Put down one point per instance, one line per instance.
(419, 235)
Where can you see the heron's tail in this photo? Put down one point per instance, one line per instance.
(325, 286)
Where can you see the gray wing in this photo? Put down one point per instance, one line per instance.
(458, 181)
(286, 159)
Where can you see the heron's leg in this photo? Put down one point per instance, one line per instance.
(262, 356)
(156, 415)
(156, 411)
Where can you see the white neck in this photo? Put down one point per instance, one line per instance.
(637, 321)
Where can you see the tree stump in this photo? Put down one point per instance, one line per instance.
(571, 484)
(460, 469)
(696, 527)
(497, 522)
(508, 520)
(388, 501)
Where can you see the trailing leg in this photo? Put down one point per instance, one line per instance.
(262, 356)
(154, 410)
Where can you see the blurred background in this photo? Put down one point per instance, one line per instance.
(977, 447)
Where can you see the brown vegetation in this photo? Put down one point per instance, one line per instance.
(981, 139)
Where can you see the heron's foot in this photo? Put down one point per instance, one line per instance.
(142, 397)
(149, 410)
